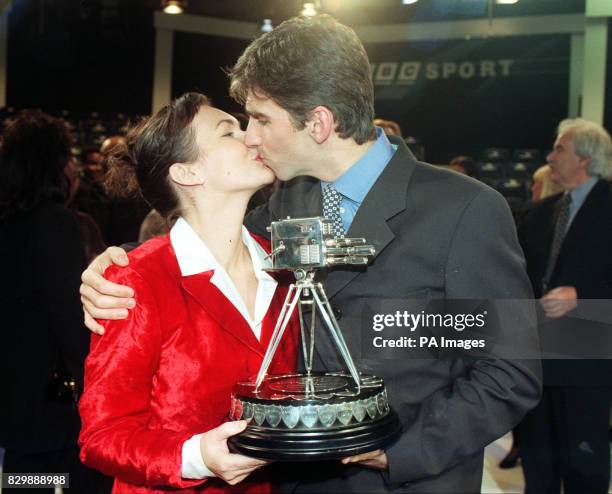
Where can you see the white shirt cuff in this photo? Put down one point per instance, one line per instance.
(193, 466)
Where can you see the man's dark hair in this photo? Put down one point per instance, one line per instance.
(306, 62)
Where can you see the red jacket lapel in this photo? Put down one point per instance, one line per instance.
(210, 298)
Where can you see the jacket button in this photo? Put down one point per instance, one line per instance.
(337, 313)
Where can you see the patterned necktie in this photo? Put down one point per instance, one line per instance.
(331, 209)
(558, 237)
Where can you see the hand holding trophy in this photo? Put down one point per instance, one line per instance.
(312, 415)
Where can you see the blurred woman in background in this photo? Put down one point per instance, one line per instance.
(43, 343)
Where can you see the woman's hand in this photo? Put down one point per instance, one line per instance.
(230, 467)
(101, 298)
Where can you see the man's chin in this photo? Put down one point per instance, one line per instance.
(283, 177)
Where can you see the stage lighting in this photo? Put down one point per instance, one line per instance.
(266, 26)
(174, 6)
(309, 10)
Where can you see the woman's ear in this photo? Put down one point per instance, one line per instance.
(185, 174)
(320, 124)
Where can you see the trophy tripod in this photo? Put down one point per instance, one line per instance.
(312, 415)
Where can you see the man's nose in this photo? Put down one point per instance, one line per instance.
(251, 138)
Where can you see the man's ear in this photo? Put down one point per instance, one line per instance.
(585, 162)
(321, 124)
(185, 174)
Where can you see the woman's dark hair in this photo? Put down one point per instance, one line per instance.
(141, 164)
(34, 153)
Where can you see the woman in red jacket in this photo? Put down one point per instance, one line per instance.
(157, 384)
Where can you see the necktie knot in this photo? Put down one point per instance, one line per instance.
(331, 209)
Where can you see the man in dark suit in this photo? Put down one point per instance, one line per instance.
(308, 92)
(567, 240)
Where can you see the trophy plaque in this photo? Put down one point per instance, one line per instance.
(311, 415)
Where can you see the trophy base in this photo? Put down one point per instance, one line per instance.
(316, 445)
(323, 416)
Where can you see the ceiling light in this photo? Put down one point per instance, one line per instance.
(266, 26)
(174, 6)
(309, 10)
(408, 2)
(506, 2)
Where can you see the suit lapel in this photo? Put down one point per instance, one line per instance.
(386, 198)
(217, 306)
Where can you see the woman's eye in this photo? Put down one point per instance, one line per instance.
(229, 134)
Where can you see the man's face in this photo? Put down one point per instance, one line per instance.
(567, 168)
(280, 146)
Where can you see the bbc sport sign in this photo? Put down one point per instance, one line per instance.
(409, 72)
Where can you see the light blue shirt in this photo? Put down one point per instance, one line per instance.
(355, 183)
(579, 194)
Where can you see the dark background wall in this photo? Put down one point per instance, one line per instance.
(80, 56)
(608, 108)
(204, 69)
(99, 57)
(467, 94)
(450, 115)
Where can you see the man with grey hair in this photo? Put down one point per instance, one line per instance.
(567, 240)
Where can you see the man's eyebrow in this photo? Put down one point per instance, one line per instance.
(255, 114)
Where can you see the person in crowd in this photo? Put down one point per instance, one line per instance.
(90, 232)
(152, 226)
(43, 342)
(158, 384)
(567, 240)
(91, 161)
(118, 218)
(90, 197)
(463, 164)
(125, 213)
(308, 92)
(542, 187)
(389, 127)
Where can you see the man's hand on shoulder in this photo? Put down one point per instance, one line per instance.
(101, 298)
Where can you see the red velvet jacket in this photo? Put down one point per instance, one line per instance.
(165, 373)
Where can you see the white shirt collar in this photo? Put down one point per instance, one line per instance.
(194, 257)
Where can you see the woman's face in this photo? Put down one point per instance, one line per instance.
(227, 164)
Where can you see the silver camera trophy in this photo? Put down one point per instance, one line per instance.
(312, 415)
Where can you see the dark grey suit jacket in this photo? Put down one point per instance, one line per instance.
(585, 262)
(437, 235)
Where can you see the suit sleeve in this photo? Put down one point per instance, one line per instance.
(116, 437)
(492, 395)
